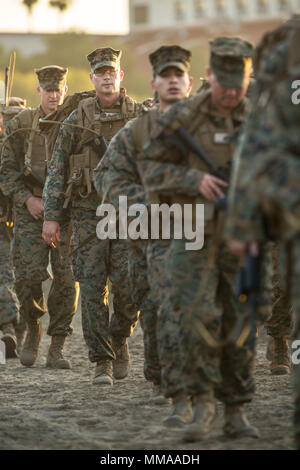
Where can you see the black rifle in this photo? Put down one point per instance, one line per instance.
(29, 178)
(181, 139)
(248, 278)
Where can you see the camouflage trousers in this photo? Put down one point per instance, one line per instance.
(93, 264)
(292, 289)
(203, 292)
(9, 304)
(168, 324)
(280, 323)
(145, 302)
(31, 256)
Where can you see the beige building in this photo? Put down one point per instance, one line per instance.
(147, 15)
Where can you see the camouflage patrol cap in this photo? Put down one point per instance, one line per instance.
(170, 56)
(51, 77)
(104, 57)
(230, 60)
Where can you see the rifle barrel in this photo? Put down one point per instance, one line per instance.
(195, 147)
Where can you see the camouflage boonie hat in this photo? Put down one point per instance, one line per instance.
(104, 57)
(51, 77)
(170, 56)
(230, 60)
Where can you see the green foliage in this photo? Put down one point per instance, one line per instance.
(62, 5)
(29, 4)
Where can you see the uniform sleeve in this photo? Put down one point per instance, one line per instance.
(55, 185)
(161, 166)
(161, 170)
(123, 177)
(267, 167)
(12, 160)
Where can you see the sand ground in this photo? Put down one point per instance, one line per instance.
(42, 408)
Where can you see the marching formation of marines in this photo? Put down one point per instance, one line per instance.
(65, 162)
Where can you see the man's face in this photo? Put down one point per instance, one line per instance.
(51, 99)
(107, 80)
(226, 99)
(172, 85)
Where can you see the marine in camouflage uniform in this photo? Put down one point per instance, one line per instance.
(170, 71)
(267, 182)
(11, 323)
(202, 293)
(25, 151)
(76, 154)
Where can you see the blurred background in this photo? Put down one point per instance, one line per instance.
(63, 32)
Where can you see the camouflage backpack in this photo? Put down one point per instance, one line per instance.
(50, 129)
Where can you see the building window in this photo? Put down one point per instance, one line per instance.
(262, 6)
(241, 6)
(199, 7)
(141, 14)
(179, 10)
(284, 5)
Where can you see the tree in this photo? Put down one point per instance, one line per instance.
(29, 4)
(61, 6)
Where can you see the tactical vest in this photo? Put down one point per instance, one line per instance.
(105, 122)
(141, 128)
(213, 131)
(34, 147)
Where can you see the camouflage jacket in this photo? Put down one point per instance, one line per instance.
(66, 144)
(120, 160)
(267, 171)
(12, 161)
(166, 171)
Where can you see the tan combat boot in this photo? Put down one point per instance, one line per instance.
(181, 411)
(31, 346)
(121, 365)
(55, 357)
(237, 424)
(281, 360)
(10, 340)
(103, 373)
(204, 413)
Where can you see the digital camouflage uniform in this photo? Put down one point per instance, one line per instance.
(202, 281)
(31, 255)
(97, 260)
(9, 304)
(146, 257)
(11, 322)
(122, 179)
(267, 182)
(280, 323)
